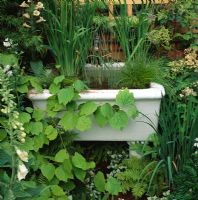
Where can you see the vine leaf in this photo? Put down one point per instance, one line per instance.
(88, 108)
(59, 79)
(69, 120)
(83, 123)
(51, 132)
(24, 117)
(57, 190)
(38, 114)
(119, 120)
(80, 174)
(61, 156)
(107, 110)
(79, 86)
(65, 95)
(61, 174)
(48, 170)
(80, 162)
(36, 128)
(100, 119)
(124, 98)
(132, 111)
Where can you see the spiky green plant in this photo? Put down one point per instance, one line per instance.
(69, 33)
(140, 72)
(176, 134)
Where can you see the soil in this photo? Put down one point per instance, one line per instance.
(175, 54)
(127, 197)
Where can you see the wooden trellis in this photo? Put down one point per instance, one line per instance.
(108, 46)
(130, 3)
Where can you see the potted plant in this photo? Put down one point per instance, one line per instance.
(116, 102)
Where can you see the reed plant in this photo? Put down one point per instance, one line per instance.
(133, 36)
(69, 33)
(176, 137)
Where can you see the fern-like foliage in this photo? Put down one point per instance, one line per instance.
(186, 182)
(131, 176)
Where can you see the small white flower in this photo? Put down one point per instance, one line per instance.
(23, 155)
(41, 19)
(26, 25)
(22, 140)
(39, 5)
(7, 42)
(195, 144)
(9, 73)
(22, 171)
(36, 13)
(24, 5)
(26, 15)
(7, 67)
(23, 134)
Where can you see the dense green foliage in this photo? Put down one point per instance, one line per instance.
(46, 45)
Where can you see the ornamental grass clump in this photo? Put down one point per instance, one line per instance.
(140, 72)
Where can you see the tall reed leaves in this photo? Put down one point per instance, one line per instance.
(133, 36)
(69, 32)
(178, 128)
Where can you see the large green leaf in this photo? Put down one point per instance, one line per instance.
(35, 82)
(48, 170)
(8, 59)
(59, 79)
(51, 132)
(61, 156)
(80, 162)
(57, 190)
(61, 174)
(54, 88)
(79, 85)
(38, 114)
(36, 128)
(107, 110)
(100, 119)
(88, 108)
(69, 120)
(119, 120)
(24, 117)
(99, 181)
(124, 98)
(80, 174)
(84, 123)
(132, 111)
(113, 186)
(65, 95)
(39, 141)
(67, 166)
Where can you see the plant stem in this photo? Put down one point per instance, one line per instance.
(13, 162)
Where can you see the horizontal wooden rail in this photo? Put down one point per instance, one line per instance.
(129, 4)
